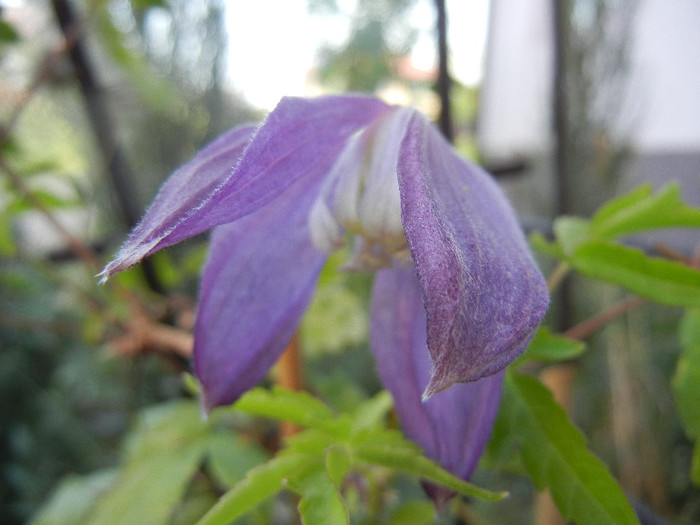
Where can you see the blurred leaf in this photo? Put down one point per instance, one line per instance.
(640, 211)
(686, 384)
(337, 316)
(298, 407)
(71, 501)
(337, 463)
(230, 457)
(259, 484)
(162, 456)
(321, 502)
(549, 347)
(372, 412)
(556, 457)
(542, 245)
(414, 512)
(666, 282)
(8, 34)
(570, 232)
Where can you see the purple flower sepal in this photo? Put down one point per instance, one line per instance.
(457, 295)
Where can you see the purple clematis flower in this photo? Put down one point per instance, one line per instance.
(457, 296)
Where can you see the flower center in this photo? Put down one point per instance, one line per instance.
(361, 197)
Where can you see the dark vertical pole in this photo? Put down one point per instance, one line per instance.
(443, 82)
(117, 167)
(562, 134)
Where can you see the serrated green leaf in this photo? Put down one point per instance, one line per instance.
(321, 502)
(686, 384)
(549, 348)
(666, 282)
(259, 484)
(640, 211)
(297, 407)
(409, 459)
(556, 457)
(570, 232)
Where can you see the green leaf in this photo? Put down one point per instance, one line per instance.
(71, 501)
(298, 407)
(321, 502)
(372, 412)
(259, 484)
(402, 455)
(162, 457)
(551, 348)
(666, 282)
(8, 34)
(570, 232)
(337, 463)
(556, 457)
(542, 245)
(414, 512)
(686, 384)
(230, 457)
(640, 211)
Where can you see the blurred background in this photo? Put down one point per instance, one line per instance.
(567, 102)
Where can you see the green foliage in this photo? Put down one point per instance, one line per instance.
(555, 455)
(593, 247)
(549, 348)
(315, 461)
(162, 454)
(686, 384)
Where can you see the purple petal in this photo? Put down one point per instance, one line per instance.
(299, 136)
(257, 283)
(182, 192)
(452, 426)
(482, 291)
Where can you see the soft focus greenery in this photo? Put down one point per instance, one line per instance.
(98, 427)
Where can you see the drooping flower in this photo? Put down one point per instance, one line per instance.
(457, 295)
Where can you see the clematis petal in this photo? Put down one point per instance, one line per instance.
(452, 426)
(256, 284)
(297, 137)
(182, 192)
(482, 291)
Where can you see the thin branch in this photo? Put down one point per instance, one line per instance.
(586, 328)
(444, 82)
(81, 250)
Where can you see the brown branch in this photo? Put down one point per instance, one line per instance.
(289, 375)
(586, 328)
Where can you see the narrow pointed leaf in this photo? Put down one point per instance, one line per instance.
(640, 210)
(556, 457)
(411, 461)
(259, 484)
(389, 448)
(660, 280)
(298, 407)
